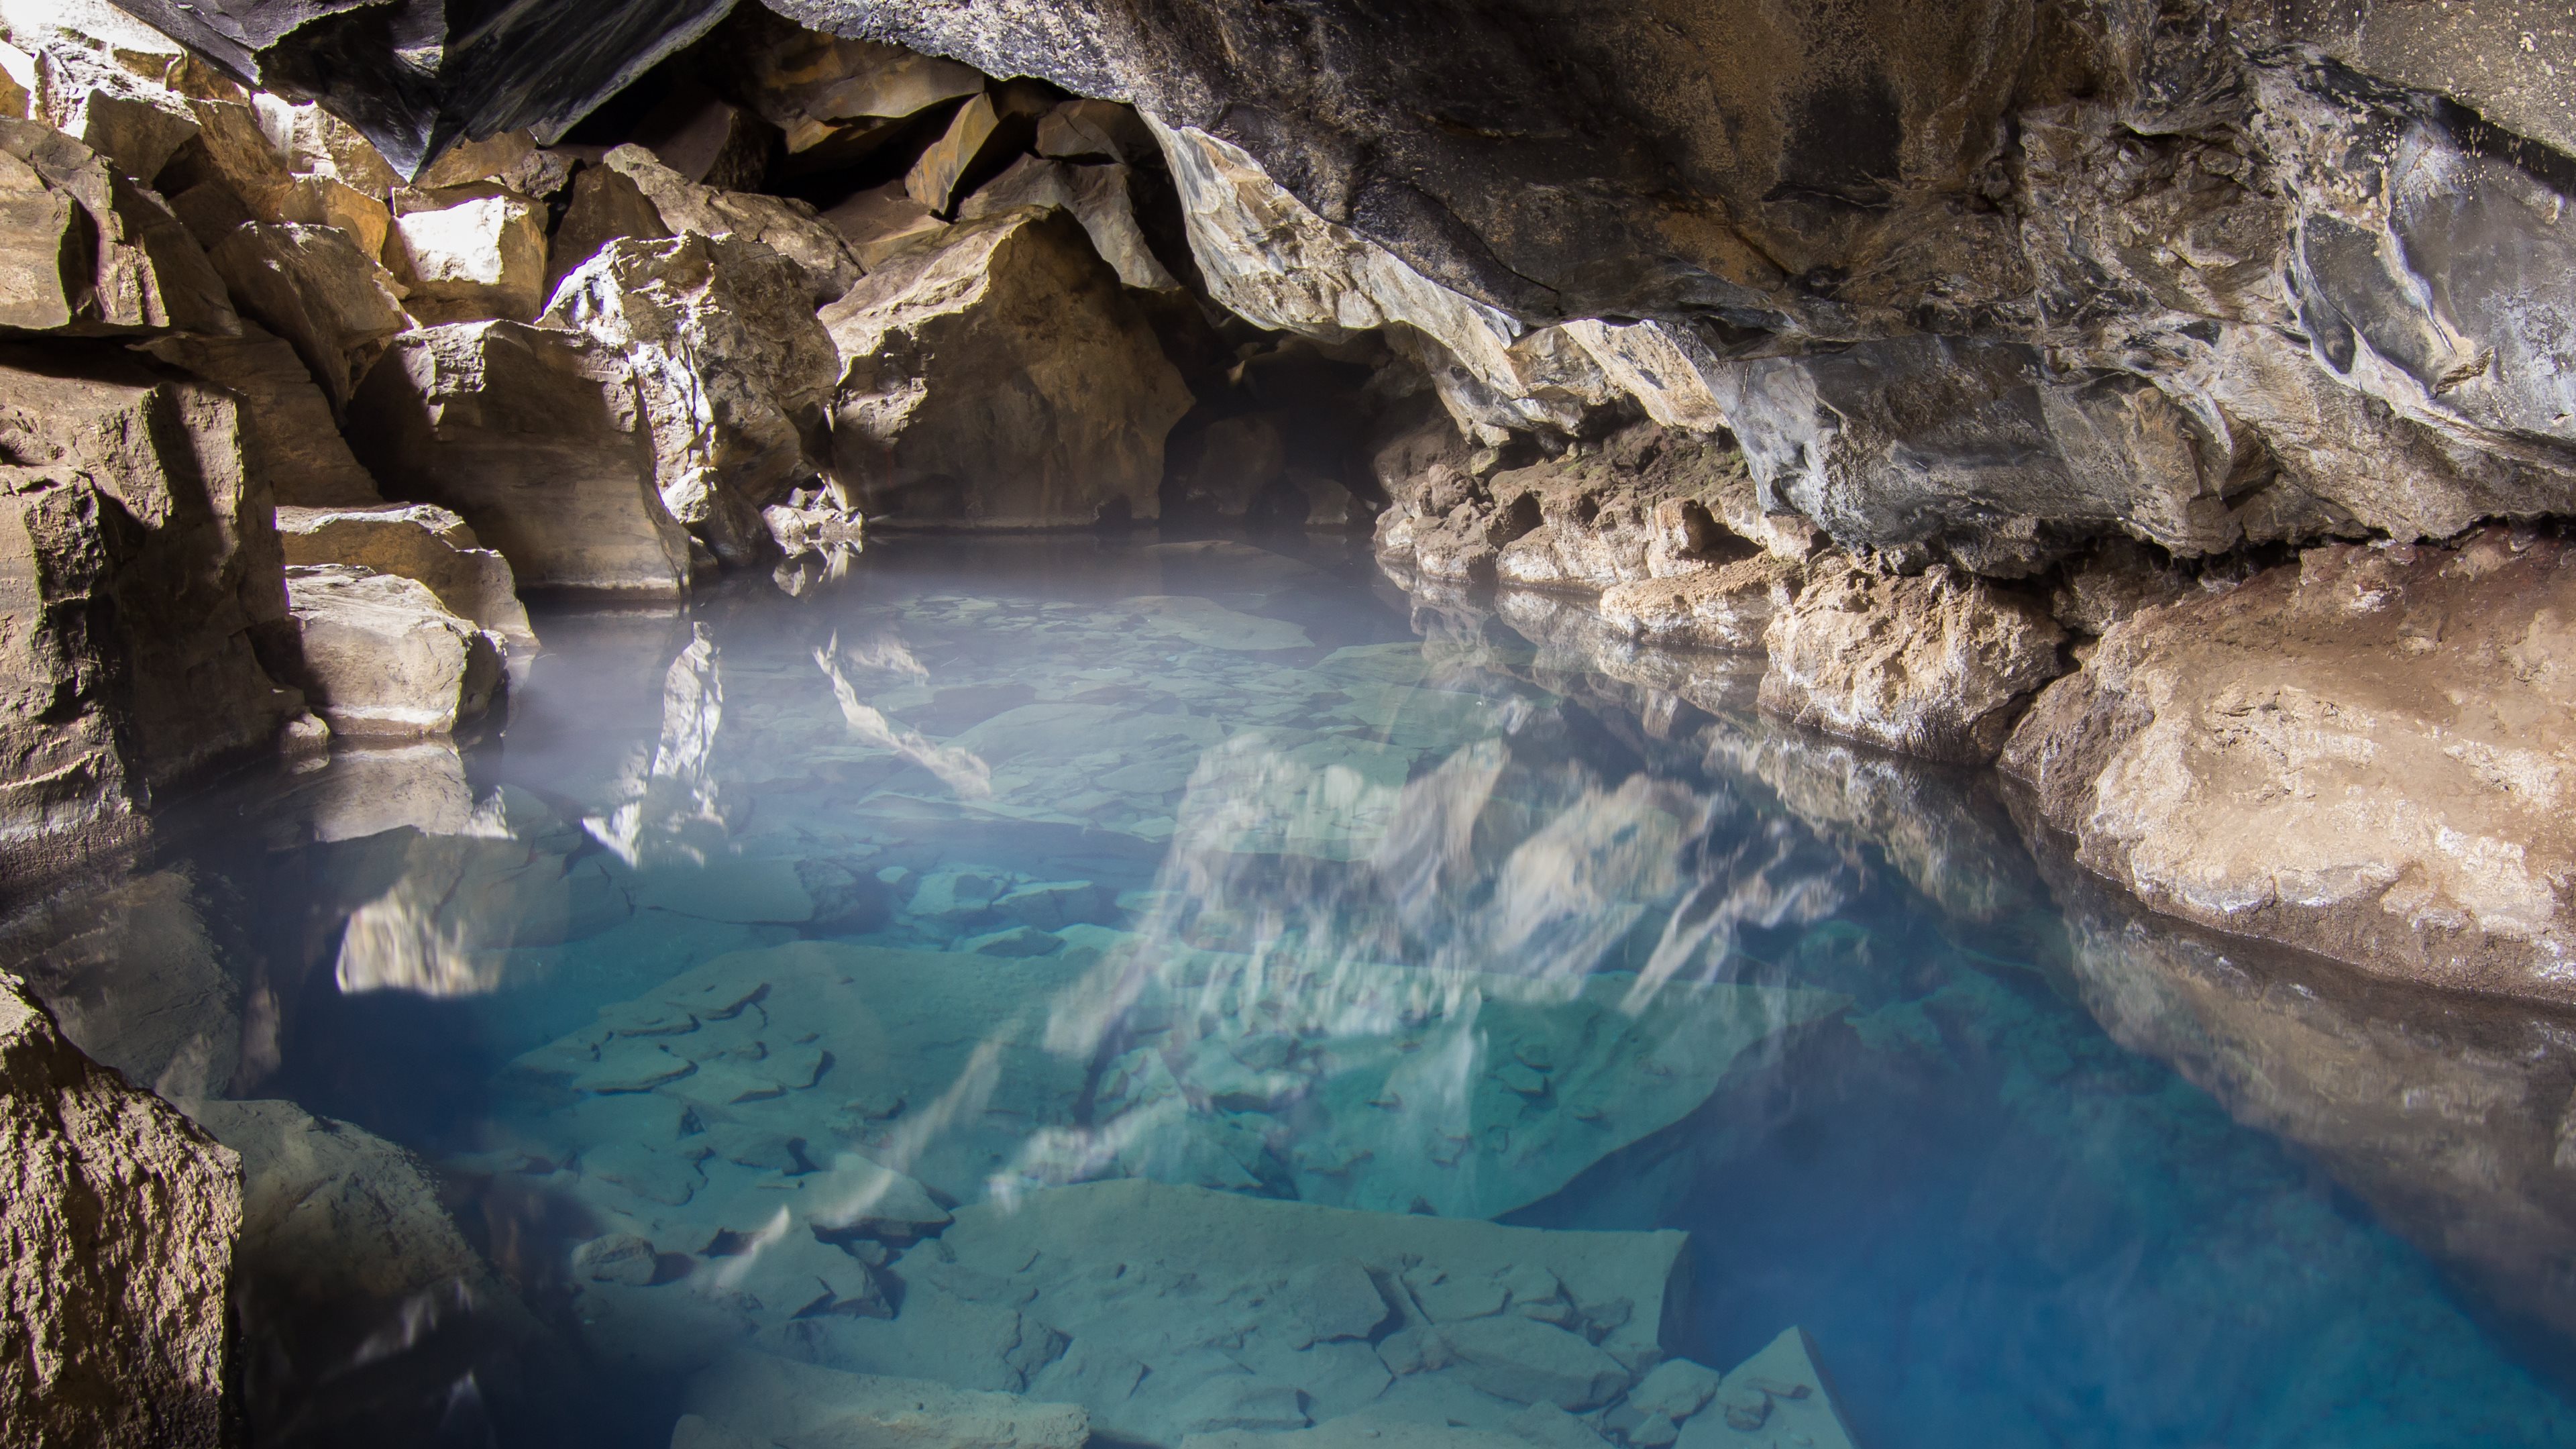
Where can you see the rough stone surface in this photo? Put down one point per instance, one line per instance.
(834, 101)
(471, 259)
(1100, 197)
(791, 228)
(85, 249)
(288, 434)
(2362, 754)
(417, 541)
(606, 204)
(1000, 379)
(313, 286)
(382, 656)
(140, 476)
(733, 369)
(537, 439)
(120, 1217)
(1937, 666)
(879, 223)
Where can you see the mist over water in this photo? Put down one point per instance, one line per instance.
(1211, 988)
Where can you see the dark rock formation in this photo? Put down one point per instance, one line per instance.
(420, 76)
(120, 1216)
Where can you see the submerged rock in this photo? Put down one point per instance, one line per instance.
(382, 656)
(1001, 379)
(120, 1215)
(2360, 754)
(1937, 666)
(764, 1399)
(536, 437)
(734, 371)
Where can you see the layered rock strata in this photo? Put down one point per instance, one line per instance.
(120, 1216)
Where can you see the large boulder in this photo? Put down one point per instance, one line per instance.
(1937, 665)
(382, 656)
(135, 495)
(315, 287)
(419, 541)
(120, 1217)
(731, 364)
(1000, 378)
(468, 255)
(1101, 197)
(535, 437)
(2364, 754)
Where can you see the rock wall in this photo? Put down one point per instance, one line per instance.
(120, 1216)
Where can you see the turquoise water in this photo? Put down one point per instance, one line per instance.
(1211, 988)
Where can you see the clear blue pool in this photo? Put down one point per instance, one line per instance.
(1211, 988)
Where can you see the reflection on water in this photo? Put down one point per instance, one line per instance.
(1181, 995)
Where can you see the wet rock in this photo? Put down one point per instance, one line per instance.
(133, 978)
(2355, 754)
(606, 205)
(142, 501)
(733, 369)
(313, 286)
(1936, 666)
(537, 439)
(121, 1215)
(89, 251)
(791, 228)
(422, 542)
(1001, 379)
(769, 1399)
(381, 655)
(471, 257)
(288, 432)
(1100, 197)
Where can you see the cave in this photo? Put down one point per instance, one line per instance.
(1014, 724)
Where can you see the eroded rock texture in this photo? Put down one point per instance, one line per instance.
(2364, 753)
(120, 1216)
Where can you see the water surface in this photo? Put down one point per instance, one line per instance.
(1207, 986)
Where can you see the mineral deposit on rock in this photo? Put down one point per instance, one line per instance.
(1937, 665)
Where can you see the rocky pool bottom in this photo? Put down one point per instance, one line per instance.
(1180, 994)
